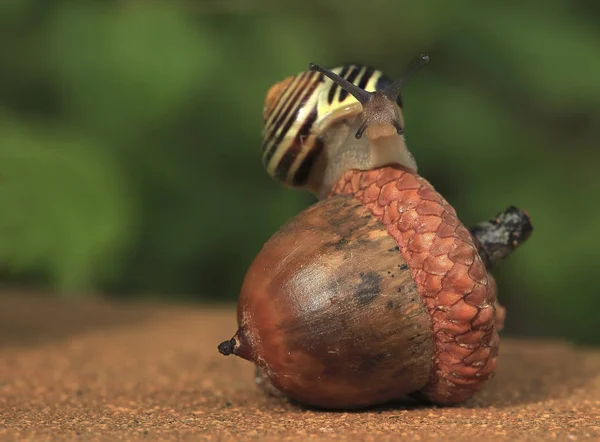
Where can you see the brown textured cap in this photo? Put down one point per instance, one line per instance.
(451, 277)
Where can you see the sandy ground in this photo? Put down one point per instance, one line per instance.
(98, 371)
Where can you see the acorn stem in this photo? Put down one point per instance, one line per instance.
(499, 237)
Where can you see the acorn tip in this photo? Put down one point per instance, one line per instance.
(226, 347)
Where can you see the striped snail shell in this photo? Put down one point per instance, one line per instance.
(313, 127)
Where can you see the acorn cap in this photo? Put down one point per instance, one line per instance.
(450, 275)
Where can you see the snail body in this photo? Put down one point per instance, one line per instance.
(377, 291)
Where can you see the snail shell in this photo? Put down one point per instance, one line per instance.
(309, 126)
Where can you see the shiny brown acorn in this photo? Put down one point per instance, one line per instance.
(376, 292)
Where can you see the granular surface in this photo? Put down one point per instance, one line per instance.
(98, 371)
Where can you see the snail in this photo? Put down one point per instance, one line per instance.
(377, 292)
(313, 128)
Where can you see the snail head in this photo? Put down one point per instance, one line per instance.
(380, 115)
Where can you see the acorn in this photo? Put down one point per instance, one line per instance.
(377, 292)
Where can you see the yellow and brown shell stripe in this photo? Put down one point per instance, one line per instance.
(290, 146)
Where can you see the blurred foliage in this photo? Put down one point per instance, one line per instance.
(130, 137)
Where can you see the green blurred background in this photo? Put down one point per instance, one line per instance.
(130, 138)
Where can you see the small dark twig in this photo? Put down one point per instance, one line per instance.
(499, 237)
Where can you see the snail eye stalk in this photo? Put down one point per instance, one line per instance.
(393, 90)
(360, 94)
